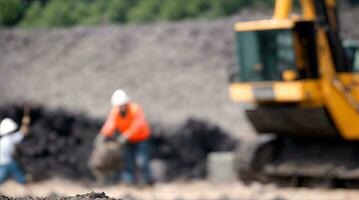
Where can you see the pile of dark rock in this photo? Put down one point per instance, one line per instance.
(185, 148)
(59, 143)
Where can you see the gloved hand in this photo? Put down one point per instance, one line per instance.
(122, 139)
(100, 139)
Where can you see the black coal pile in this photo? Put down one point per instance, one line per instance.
(59, 144)
(185, 148)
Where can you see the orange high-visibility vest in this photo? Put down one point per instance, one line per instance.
(133, 125)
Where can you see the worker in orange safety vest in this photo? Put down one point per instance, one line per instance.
(127, 124)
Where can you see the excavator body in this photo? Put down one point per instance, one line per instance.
(302, 84)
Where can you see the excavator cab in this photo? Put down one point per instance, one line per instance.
(265, 55)
(278, 71)
(277, 54)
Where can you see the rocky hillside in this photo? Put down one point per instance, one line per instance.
(175, 70)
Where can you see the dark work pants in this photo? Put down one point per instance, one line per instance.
(137, 156)
(11, 170)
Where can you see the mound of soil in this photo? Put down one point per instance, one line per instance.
(89, 196)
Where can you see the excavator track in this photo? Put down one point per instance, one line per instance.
(300, 162)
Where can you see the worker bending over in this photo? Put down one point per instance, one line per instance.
(127, 123)
(9, 138)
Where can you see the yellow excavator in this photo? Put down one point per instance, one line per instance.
(301, 83)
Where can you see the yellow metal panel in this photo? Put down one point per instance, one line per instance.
(304, 91)
(282, 9)
(241, 92)
(326, 66)
(268, 24)
(289, 75)
(308, 9)
(351, 83)
(344, 114)
(288, 91)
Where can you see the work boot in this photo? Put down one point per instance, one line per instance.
(144, 184)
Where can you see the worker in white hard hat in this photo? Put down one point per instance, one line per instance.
(10, 136)
(127, 123)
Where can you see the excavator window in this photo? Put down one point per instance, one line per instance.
(356, 61)
(351, 48)
(265, 54)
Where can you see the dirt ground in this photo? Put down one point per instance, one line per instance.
(179, 190)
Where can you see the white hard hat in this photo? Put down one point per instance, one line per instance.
(119, 98)
(7, 125)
